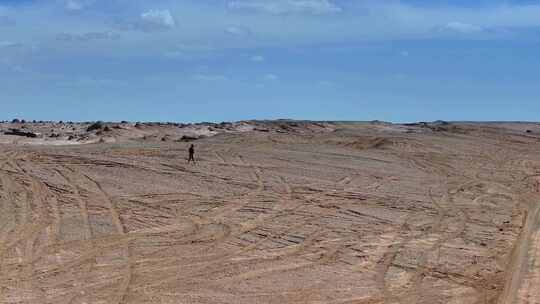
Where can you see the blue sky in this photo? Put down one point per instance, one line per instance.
(220, 60)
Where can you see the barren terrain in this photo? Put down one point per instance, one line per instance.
(273, 212)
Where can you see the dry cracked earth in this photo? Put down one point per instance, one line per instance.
(351, 213)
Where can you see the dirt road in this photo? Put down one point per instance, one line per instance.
(523, 279)
(364, 214)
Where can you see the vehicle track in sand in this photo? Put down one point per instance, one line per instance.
(19, 187)
(69, 176)
(523, 276)
(523, 270)
(290, 224)
(83, 209)
(295, 250)
(36, 246)
(422, 269)
(424, 266)
(120, 296)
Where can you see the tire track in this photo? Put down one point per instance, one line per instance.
(88, 262)
(83, 208)
(518, 286)
(120, 297)
(24, 243)
(211, 264)
(220, 158)
(31, 255)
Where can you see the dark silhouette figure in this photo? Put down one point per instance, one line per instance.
(191, 154)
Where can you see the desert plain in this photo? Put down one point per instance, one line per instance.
(272, 212)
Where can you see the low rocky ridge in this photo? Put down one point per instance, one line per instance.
(70, 133)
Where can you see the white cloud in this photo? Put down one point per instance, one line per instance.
(209, 77)
(271, 77)
(362, 21)
(257, 58)
(158, 19)
(149, 21)
(464, 28)
(317, 7)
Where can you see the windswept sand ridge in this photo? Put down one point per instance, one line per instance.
(276, 212)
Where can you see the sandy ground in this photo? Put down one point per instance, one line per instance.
(323, 213)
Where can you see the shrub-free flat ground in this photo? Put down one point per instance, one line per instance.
(354, 213)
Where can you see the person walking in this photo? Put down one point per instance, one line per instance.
(191, 154)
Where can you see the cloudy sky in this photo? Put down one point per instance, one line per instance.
(216, 60)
